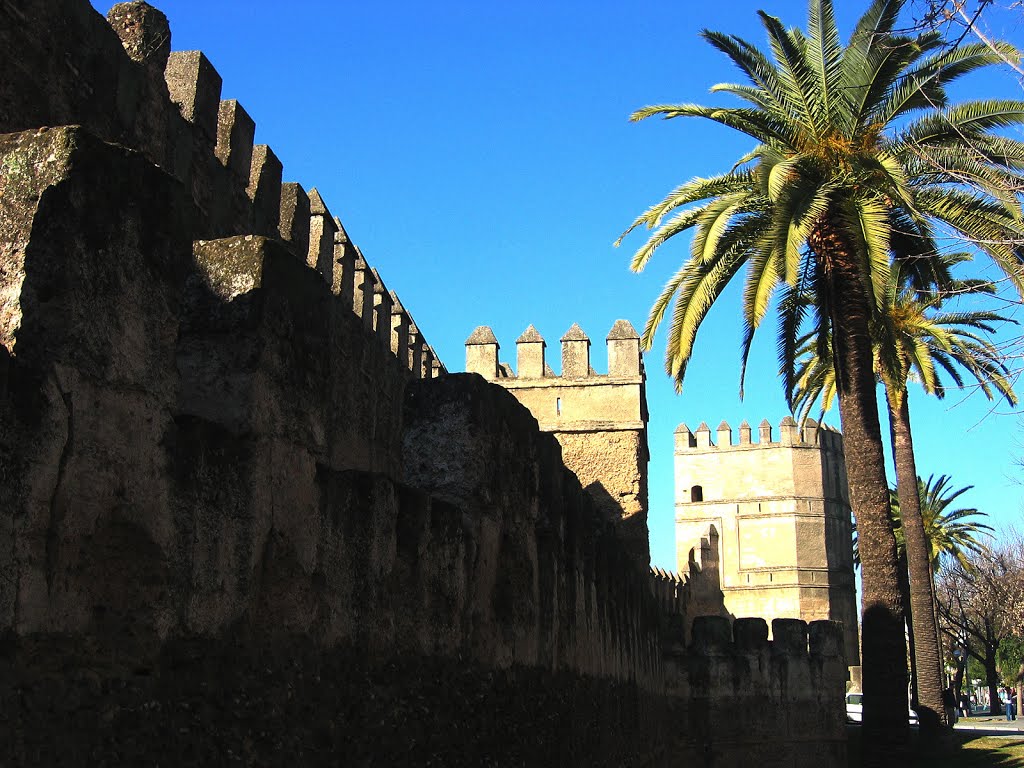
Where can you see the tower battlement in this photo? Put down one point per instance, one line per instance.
(809, 434)
(624, 359)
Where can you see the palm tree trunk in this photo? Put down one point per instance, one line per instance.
(905, 596)
(934, 722)
(884, 650)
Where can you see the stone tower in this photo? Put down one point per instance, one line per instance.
(783, 512)
(599, 420)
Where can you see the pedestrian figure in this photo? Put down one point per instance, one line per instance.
(949, 704)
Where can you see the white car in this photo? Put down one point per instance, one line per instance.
(855, 709)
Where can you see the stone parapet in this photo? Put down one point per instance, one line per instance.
(766, 702)
(810, 433)
(119, 79)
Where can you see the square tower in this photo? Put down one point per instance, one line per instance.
(783, 512)
(599, 420)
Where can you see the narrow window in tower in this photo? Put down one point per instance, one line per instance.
(696, 493)
(558, 406)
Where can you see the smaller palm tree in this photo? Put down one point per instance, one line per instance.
(950, 535)
(953, 534)
(914, 338)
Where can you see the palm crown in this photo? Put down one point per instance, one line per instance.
(839, 167)
(914, 340)
(951, 532)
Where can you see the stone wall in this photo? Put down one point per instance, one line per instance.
(240, 519)
(208, 449)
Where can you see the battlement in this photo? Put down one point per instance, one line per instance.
(624, 358)
(132, 89)
(684, 596)
(717, 636)
(810, 434)
(760, 696)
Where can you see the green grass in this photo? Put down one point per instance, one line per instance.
(989, 750)
(974, 749)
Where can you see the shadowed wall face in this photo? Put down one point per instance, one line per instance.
(240, 521)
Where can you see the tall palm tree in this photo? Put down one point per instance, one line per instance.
(920, 343)
(914, 339)
(813, 203)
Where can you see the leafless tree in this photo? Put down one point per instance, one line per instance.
(981, 602)
(959, 20)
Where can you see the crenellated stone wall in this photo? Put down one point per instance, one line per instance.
(119, 79)
(755, 701)
(243, 516)
(207, 451)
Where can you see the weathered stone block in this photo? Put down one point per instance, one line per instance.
(195, 85)
(751, 635)
(711, 635)
(235, 134)
(144, 32)
(789, 637)
(94, 248)
(265, 191)
(294, 220)
(321, 238)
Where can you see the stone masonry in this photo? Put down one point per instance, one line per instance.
(783, 513)
(246, 517)
(599, 420)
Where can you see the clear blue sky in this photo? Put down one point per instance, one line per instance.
(481, 157)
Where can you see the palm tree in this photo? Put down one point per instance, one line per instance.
(956, 539)
(813, 203)
(920, 340)
(914, 339)
(947, 535)
(951, 533)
